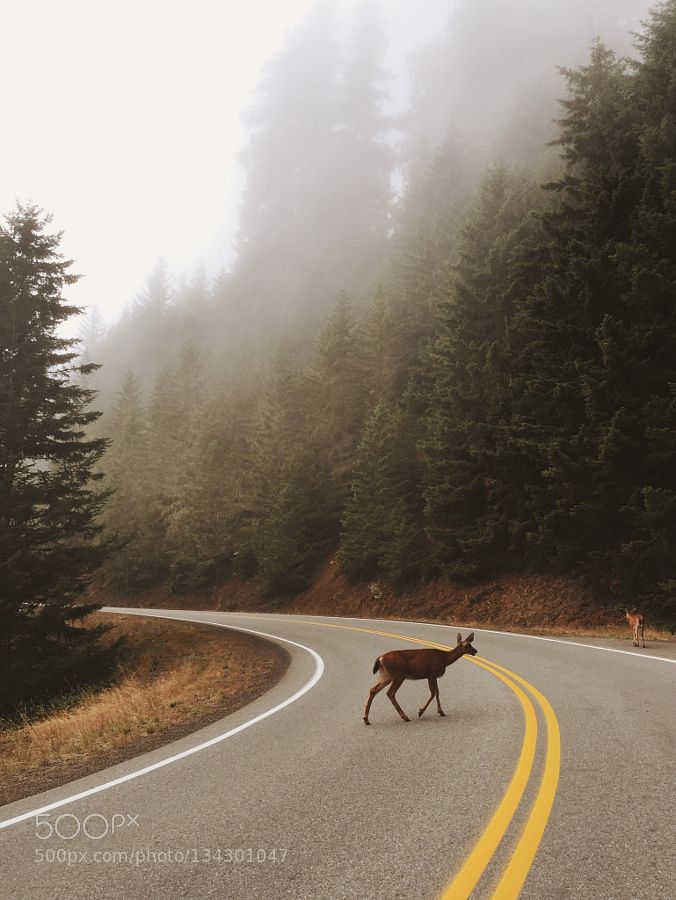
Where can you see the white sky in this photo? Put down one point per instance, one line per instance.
(122, 119)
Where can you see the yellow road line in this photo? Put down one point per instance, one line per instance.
(523, 856)
(467, 878)
(522, 859)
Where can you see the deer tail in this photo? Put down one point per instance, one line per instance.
(376, 666)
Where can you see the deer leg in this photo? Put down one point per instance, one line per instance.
(433, 684)
(441, 712)
(394, 687)
(643, 635)
(374, 690)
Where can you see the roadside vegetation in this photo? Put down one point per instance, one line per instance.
(171, 677)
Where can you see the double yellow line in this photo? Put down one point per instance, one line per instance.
(522, 857)
(521, 860)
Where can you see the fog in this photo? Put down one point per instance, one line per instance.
(126, 121)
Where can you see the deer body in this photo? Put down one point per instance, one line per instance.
(397, 666)
(637, 623)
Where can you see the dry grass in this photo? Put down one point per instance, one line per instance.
(172, 674)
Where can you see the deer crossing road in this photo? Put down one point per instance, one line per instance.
(551, 776)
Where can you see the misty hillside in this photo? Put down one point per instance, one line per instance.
(447, 343)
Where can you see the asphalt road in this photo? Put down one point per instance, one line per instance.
(307, 802)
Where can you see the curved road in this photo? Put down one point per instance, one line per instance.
(293, 796)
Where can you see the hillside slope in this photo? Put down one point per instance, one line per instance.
(511, 601)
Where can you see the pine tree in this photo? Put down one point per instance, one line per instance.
(371, 493)
(194, 308)
(570, 388)
(150, 306)
(301, 523)
(293, 493)
(338, 391)
(127, 518)
(145, 336)
(473, 475)
(212, 531)
(381, 532)
(285, 221)
(646, 336)
(49, 501)
(173, 415)
(92, 335)
(361, 180)
(425, 244)
(379, 363)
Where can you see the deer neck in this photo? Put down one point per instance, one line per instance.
(453, 655)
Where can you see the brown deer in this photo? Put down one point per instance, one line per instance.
(637, 622)
(398, 665)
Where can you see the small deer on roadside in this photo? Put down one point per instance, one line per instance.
(637, 623)
(398, 665)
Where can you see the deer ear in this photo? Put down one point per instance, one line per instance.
(469, 638)
(459, 638)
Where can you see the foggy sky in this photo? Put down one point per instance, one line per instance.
(124, 120)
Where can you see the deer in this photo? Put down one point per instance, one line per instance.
(398, 665)
(637, 622)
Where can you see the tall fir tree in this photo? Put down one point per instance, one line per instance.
(473, 474)
(647, 334)
(49, 500)
(363, 159)
(173, 416)
(379, 361)
(337, 387)
(568, 399)
(285, 218)
(424, 245)
(293, 492)
(127, 516)
(382, 534)
(92, 335)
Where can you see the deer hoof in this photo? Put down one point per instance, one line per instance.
(366, 721)
(442, 713)
(406, 719)
(420, 712)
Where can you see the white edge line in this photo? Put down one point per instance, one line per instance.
(532, 637)
(318, 672)
(537, 637)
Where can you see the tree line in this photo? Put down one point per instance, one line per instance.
(504, 400)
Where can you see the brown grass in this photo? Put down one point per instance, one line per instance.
(171, 674)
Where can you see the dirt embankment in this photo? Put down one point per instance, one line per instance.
(173, 678)
(543, 604)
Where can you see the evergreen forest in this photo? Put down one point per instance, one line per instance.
(445, 348)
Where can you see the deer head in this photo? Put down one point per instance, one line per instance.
(467, 648)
